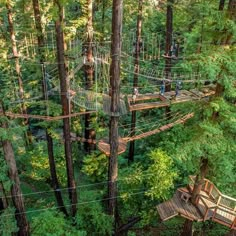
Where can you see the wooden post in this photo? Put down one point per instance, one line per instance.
(218, 201)
(206, 213)
(234, 223)
(211, 188)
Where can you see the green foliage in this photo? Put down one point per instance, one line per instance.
(36, 165)
(161, 175)
(91, 214)
(53, 223)
(95, 221)
(95, 166)
(8, 224)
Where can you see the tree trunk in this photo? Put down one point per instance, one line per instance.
(3, 199)
(136, 72)
(115, 104)
(187, 228)
(199, 181)
(221, 5)
(41, 46)
(15, 56)
(104, 2)
(53, 172)
(16, 193)
(232, 16)
(65, 108)
(169, 33)
(89, 70)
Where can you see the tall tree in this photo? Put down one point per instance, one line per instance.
(15, 56)
(232, 16)
(221, 5)
(16, 193)
(41, 46)
(169, 34)
(89, 71)
(65, 106)
(3, 199)
(115, 104)
(136, 72)
(199, 181)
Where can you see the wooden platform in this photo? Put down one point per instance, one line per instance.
(212, 205)
(104, 146)
(156, 100)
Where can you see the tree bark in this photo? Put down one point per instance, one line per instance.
(115, 104)
(53, 172)
(3, 199)
(136, 72)
(221, 5)
(65, 108)
(187, 228)
(41, 45)
(15, 56)
(16, 193)
(89, 71)
(169, 33)
(232, 16)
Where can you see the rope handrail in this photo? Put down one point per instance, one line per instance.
(47, 118)
(152, 132)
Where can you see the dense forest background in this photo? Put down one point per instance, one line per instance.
(60, 58)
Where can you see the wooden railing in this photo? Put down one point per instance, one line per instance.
(224, 207)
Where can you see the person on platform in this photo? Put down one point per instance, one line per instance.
(177, 88)
(162, 88)
(135, 94)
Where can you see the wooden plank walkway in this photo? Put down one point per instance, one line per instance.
(156, 100)
(166, 210)
(104, 146)
(160, 129)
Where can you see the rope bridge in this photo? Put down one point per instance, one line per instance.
(104, 146)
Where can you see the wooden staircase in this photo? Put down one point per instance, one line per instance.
(212, 205)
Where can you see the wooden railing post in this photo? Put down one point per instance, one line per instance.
(219, 199)
(234, 223)
(211, 188)
(206, 185)
(213, 216)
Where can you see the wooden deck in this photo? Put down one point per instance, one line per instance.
(156, 100)
(104, 146)
(212, 205)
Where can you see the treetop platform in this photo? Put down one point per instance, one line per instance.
(156, 100)
(211, 205)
